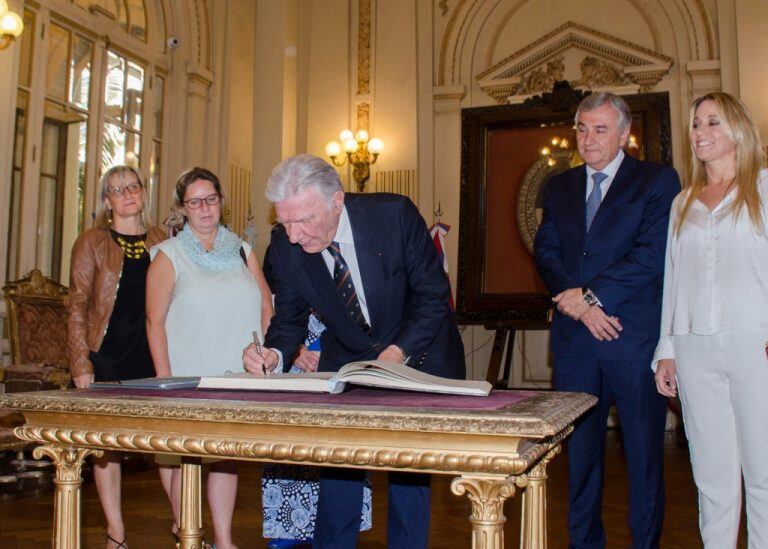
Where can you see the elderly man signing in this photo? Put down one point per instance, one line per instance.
(367, 266)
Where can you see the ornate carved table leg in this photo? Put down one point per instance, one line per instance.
(533, 520)
(487, 495)
(66, 506)
(191, 527)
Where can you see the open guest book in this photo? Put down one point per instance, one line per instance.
(372, 373)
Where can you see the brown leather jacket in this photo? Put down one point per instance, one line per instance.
(97, 262)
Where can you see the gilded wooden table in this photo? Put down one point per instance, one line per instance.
(492, 445)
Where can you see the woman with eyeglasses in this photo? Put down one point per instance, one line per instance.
(206, 295)
(107, 339)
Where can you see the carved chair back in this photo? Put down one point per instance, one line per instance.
(37, 329)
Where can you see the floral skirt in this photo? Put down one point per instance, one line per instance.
(289, 496)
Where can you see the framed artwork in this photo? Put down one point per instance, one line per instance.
(507, 154)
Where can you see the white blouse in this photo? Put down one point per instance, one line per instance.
(716, 271)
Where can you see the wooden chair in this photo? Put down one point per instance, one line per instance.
(37, 329)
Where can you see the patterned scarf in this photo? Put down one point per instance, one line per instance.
(225, 254)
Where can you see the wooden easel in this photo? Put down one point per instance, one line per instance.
(503, 345)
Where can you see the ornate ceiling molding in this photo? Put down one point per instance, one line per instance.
(607, 61)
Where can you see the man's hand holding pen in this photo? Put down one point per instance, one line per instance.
(259, 360)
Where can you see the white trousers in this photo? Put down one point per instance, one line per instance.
(723, 384)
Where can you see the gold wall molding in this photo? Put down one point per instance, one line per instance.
(203, 28)
(596, 73)
(568, 35)
(604, 61)
(364, 47)
(542, 78)
(689, 21)
(364, 116)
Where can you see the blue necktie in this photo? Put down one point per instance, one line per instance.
(595, 197)
(343, 279)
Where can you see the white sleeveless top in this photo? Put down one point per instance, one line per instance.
(212, 314)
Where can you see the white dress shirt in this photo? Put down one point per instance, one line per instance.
(610, 170)
(347, 249)
(716, 272)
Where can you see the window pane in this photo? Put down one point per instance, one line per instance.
(132, 149)
(80, 74)
(25, 57)
(134, 96)
(113, 9)
(138, 18)
(49, 213)
(154, 178)
(14, 219)
(46, 225)
(49, 155)
(113, 151)
(58, 53)
(13, 227)
(22, 104)
(113, 96)
(72, 200)
(157, 104)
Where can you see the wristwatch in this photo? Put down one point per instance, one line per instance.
(588, 297)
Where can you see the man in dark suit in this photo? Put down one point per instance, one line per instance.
(367, 266)
(602, 259)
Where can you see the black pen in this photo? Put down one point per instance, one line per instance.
(257, 342)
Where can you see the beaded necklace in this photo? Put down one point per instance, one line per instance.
(132, 249)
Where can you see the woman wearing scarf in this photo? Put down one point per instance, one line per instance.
(206, 295)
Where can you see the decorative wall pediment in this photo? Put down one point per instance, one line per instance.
(586, 57)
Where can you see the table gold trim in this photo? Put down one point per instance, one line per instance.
(538, 416)
(492, 452)
(316, 454)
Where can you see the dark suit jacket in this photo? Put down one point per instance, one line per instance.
(621, 259)
(405, 287)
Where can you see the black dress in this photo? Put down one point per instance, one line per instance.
(124, 352)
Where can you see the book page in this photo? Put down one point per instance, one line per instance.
(378, 373)
(310, 382)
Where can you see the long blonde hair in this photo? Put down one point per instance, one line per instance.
(104, 214)
(736, 122)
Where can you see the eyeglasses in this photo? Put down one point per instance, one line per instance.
(132, 188)
(196, 203)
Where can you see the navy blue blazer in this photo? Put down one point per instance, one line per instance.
(405, 287)
(621, 259)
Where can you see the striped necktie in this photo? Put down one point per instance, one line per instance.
(595, 197)
(343, 279)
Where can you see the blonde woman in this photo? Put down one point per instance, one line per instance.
(714, 332)
(206, 295)
(107, 339)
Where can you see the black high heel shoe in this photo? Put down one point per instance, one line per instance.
(118, 544)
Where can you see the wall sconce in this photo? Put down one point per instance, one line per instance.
(359, 150)
(11, 25)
